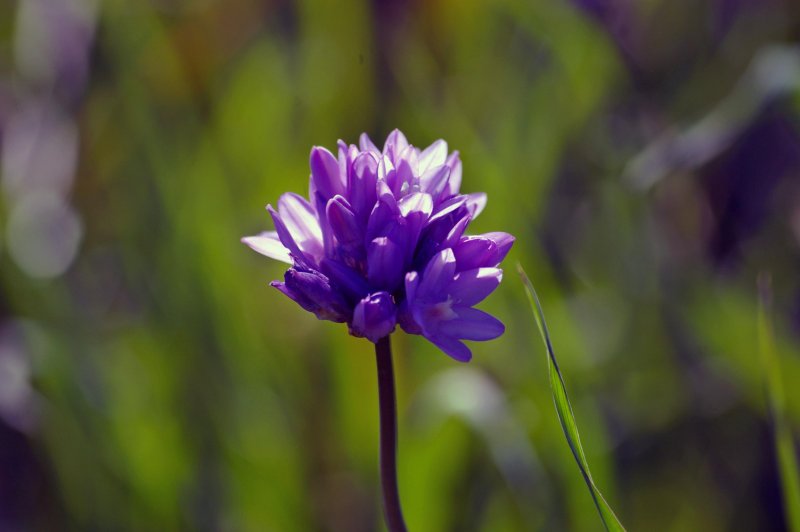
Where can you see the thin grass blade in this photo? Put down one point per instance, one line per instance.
(784, 443)
(564, 410)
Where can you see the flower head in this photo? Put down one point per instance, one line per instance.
(380, 242)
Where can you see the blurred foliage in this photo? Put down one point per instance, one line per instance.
(784, 440)
(645, 154)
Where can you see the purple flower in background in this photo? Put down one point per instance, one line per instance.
(380, 242)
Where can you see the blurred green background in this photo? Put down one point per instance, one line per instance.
(646, 154)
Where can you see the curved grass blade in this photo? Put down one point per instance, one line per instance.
(564, 411)
(784, 444)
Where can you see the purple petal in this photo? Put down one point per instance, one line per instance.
(440, 235)
(385, 263)
(451, 347)
(374, 317)
(347, 155)
(473, 286)
(472, 324)
(268, 244)
(366, 144)
(343, 223)
(454, 183)
(385, 213)
(301, 221)
(418, 202)
(313, 291)
(504, 241)
(405, 319)
(480, 251)
(312, 189)
(456, 232)
(341, 159)
(325, 172)
(405, 174)
(387, 172)
(298, 215)
(434, 180)
(448, 207)
(438, 273)
(416, 209)
(432, 156)
(475, 203)
(412, 282)
(383, 192)
(395, 145)
(285, 236)
(320, 204)
(352, 284)
(475, 252)
(405, 315)
(362, 185)
(282, 288)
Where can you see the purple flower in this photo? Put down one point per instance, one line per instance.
(381, 242)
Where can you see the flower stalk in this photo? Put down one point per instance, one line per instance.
(392, 512)
(381, 243)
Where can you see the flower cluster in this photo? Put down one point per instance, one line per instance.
(381, 242)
